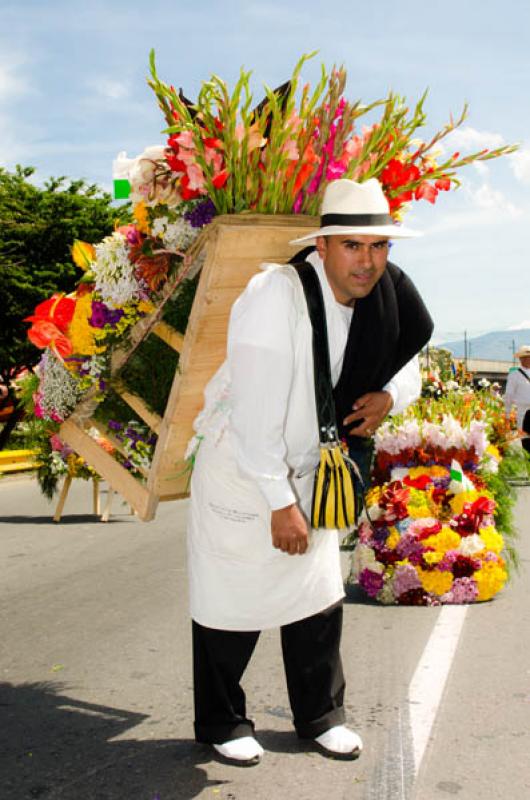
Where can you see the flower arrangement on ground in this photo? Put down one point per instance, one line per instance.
(430, 533)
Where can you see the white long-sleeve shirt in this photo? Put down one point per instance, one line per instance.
(518, 394)
(269, 342)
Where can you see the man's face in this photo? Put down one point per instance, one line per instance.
(525, 361)
(353, 263)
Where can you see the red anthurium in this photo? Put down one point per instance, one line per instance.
(58, 309)
(45, 334)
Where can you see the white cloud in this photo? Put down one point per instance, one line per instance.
(485, 207)
(113, 90)
(488, 198)
(468, 138)
(522, 326)
(520, 164)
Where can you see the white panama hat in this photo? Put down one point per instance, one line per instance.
(351, 207)
(524, 351)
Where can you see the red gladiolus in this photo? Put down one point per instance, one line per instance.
(220, 179)
(175, 164)
(186, 192)
(426, 191)
(443, 184)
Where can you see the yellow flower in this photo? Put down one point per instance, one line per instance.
(434, 472)
(493, 451)
(373, 496)
(146, 307)
(433, 558)
(392, 538)
(458, 501)
(80, 332)
(419, 512)
(140, 215)
(490, 579)
(446, 540)
(492, 539)
(435, 582)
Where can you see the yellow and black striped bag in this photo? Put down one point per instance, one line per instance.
(335, 487)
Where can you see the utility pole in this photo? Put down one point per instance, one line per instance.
(513, 351)
(465, 349)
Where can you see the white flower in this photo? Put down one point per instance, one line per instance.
(114, 272)
(151, 179)
(176, 236)
(471, 545)
(477, 437)
(363, 557)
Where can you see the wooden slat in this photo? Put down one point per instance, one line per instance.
(169, 335)
(121, 480)
(135, 402)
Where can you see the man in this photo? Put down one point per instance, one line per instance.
(518, 394)
(254, 562)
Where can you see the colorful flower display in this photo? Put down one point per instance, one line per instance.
(429, 534)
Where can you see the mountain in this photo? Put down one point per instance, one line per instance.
(495, 346)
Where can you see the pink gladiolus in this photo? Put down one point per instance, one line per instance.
(336, 169)
(185, 139)
(291, 150)
(196, 176)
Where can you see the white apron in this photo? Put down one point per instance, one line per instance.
(238, 580)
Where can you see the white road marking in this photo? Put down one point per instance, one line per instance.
(428, 682)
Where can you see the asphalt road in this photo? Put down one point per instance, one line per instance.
(95, 683)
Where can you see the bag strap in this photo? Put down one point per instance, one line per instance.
(523, 374)
(325, 402)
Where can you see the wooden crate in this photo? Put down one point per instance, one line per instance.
(233, 247)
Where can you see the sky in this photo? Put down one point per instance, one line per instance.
(73, 94)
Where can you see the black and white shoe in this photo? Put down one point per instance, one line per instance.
(339, 742)
(243, 752)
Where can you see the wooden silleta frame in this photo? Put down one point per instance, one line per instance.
(231, 248)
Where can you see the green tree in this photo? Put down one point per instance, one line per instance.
(37, 227)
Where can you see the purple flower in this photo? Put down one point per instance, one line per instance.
(102, 315)
(405, 579)
(201, 215)
(408, 545)
(463, 590)
(113, 425)
(371, 582)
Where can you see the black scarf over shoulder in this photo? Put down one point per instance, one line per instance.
(389, 326)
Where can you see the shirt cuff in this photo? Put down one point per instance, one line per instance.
(392, 390)
(277, 493)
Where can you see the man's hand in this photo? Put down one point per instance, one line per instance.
(371, 408)
(289, 530)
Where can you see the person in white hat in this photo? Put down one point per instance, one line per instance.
(254, 561)
(518, 394)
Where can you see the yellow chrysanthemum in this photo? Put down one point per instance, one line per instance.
(140, 215)
(80, 332)
(419, 512)
(433, 557)
(492, 539)
(459, 500)
(435, 582)
(443, 541)
(490, 579)
(392, 538)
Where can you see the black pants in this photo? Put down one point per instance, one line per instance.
(313, 669)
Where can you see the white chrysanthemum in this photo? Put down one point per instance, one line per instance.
(114, 273)
(392, 439)
(176, 236)
(471, 545)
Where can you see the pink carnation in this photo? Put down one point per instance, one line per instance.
(463, 590)
(371, 582)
